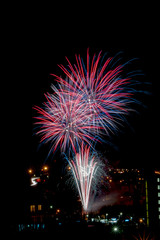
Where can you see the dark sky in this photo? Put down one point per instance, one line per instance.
(46, 38)
(135, 146)
(33, 50)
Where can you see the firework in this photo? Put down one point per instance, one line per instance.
(90, 101)
(84, 168)
(65, 121)
(103, 90)
(144, 237)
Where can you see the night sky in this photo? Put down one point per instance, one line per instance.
(135, 145)
(44, 41)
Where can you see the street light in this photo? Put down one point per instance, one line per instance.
(58, 211)
(115, 229)
(45, 168)
(30, 171)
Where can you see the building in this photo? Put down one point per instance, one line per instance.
(47, 199)
(127, 186)
(136, 202)
(157, 173)
(152, 187)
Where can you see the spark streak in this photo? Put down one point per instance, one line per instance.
(84, 169)
(65, 121)
(103, 90)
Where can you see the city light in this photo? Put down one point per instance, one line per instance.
(58, 211)
(69, 168)
(45, 168)
(34, 181)
(30, 171)
(115, 229)
(113, 220)
(141, 220)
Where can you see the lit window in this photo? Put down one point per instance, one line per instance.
(159, 202)
(159, 194)
(39, 207)
(158, 179)
(159, 216)
(159, 209)
(158, 187)
(32, 208)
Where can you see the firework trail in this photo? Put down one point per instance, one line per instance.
(84, 168)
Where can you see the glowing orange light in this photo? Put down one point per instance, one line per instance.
(140, 220)
(58, 210)
(45, 168)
